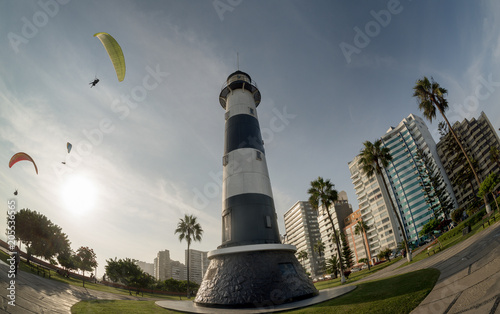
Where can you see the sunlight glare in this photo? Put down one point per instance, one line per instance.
(79, 195)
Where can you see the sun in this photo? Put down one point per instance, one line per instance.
(79, 194)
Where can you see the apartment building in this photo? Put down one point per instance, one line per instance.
(339, 211)
(375, 210)
(406, 177)
(477, 137)
(357, 242)
(162, 269)
(198, 264)
(302, 231)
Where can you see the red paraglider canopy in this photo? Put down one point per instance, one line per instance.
(21, 156)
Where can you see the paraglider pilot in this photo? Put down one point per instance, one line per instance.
(94, 82)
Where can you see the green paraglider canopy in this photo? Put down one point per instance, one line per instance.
(115, 53)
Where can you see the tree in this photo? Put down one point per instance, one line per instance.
(67, 259)
(302, 255)
(488, 186)
(385, 253)
(86, 260)
(128, 273)
(40, 236)
(360, 229)
(430, 226)
(190, 230)
(495, 155)
(332, 266)
(319, 248)
(347, 254)
(373, 159)
(431, 96)
(433, 185)
(323, 194)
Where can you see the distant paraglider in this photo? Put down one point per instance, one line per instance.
(115, 54)
(15, 192)
(68, 147)
(21, 156)
(94, 82)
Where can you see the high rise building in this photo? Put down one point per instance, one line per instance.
(302, 231)
(357, 242)
(339, 211)
(146, 267)
(178, 270)
(477, 137)
(375, 210)
(198, 264)
(406, 177)
(163, 270)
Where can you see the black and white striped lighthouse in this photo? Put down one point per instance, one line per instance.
(248, 215)
(251, 267)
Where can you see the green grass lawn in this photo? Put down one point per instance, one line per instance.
(398, 294)
(449, 241)
(355, 275)
(118, 306)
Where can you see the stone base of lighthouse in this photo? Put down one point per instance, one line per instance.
(254, 276)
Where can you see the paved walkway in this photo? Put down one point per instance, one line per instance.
(470, 276)
(35, 294)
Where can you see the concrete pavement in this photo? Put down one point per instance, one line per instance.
(35, 294)
(470, 276)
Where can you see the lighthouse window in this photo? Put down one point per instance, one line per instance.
(226, 227)
(251, 111)
(259, 155)
(268, 222)
(225, 160)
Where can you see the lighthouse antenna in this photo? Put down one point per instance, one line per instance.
(238, 60)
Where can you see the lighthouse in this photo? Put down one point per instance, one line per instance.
(251, 267)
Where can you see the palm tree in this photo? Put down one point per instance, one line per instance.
(431, 96)
(495, 155)
(190, 230)
(361, 228)
(302, 255)
(322, 193)
(373, 159)
(332, 265)
(319, 248)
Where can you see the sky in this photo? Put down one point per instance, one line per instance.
(148, 150)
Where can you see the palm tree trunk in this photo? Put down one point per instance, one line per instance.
(188, 292)
(407, 248)
(364, 244)
(342, 277)
(496, 203)
(486, 205)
